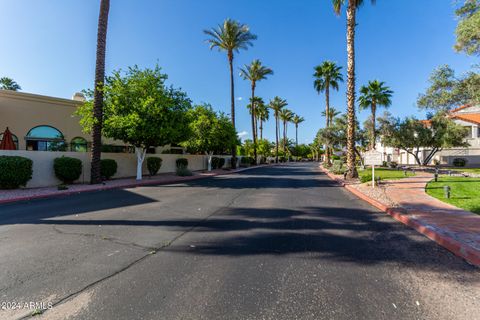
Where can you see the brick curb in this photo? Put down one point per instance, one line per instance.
(125, 186)
(462, 250)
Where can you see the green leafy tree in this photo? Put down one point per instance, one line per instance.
(327, 75)
(254, 72)
(413, 136)
(277, 104)
(257, 102)
(265, 147)
(374, 95)
(468, 28)
(231, 37)
(209, 132)
(352, 7)
(296, 121)
(263, 114)
(9, 84)
(140, 110)
(286, 116)
(332, 113)
(95, 171)
(447, 91)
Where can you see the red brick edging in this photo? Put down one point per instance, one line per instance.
(462, 250)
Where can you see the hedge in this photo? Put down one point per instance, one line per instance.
(15, 171)
(217, 163)
(67, 169)
(108, 168)
(181, 163)
(153, 165)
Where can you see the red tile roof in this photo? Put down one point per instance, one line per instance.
(472, 117)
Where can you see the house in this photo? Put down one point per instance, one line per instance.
(43, 123)
(467, 116)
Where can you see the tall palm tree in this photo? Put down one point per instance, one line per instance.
(254, 72)
(277, 104)
(296, 121)
(286, 116)
(332, 113)
(95, 174)
(352, 7)
(7, 83)
(258, 103)
(263, 115)
(375, 94)
(231, 36)
(327, 75)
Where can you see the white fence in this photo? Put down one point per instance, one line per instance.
(43, 174)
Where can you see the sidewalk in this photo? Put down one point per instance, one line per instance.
(455, 229)
(8, 196)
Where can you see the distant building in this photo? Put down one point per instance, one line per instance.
(467, 116)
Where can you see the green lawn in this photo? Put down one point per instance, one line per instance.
(385, 173)
(465, 192)
(471, 170)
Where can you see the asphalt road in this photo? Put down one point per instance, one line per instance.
(270, 243)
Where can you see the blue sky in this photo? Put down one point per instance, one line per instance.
(48, 47)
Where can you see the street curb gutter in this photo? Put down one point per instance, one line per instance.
(125, 186)
(462, 250)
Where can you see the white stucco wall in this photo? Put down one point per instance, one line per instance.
(43, 174)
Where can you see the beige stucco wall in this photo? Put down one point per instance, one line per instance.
(43, 174)
(23, 111)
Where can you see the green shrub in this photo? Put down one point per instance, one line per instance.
(282, 159)
(153, 165)
(182, 163)
(368, 178)
(393, 164)
(215, 162)
(15, 171)
(335, 157)
(459, 162)
(221, 163)
(67, 169)
(183, 171)
(246, 161)
(108, 168)
(337, 167)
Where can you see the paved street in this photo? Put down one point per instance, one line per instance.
(269, 243)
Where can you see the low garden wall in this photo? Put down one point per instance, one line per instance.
(43, 174)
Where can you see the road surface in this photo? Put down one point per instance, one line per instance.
(271, 243)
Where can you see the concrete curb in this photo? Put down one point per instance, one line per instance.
(126, 186)
(462, 250)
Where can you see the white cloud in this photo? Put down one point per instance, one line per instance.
(240, 98)
(242, 134)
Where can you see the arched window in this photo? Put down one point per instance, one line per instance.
(14, 138)
(79, 144)
(45, 138)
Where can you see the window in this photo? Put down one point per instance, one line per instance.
(79, 144)
(14, 138)
(45, 138)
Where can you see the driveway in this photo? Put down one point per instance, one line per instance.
(278, 242)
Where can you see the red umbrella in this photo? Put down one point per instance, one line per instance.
(7, 141)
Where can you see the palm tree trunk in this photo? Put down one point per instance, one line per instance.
(276, 138)
(351, 11)
(284, 138)
(254, 129)
(374, 133)
(232, 96)
(296, 135)
(327, 111)
(95, 174)
(261, 129)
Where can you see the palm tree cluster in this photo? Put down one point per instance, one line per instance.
(231, 36)
(328, 76)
